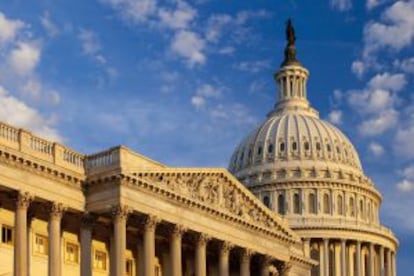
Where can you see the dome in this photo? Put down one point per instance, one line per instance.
(293, 139)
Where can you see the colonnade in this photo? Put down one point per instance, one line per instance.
(118, 245)
(342, 257)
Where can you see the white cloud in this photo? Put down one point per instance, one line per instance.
(9, 28)
(24, 58)
(379, 124)
(406, 65)
(179, 18)
(405, 186)
(90, 42)
(228, 50)
(341, 5)
(403, 142)
(395, 30)
(253, 66)
(19, 114)
(386, 81)
(50, 27)
(335, 117)
(190, 46)
(204, 92)
(371, 4)
(407, 183)
(358, 68)
(198, 101)
(137, 11)
(370, 101)
(376, 149)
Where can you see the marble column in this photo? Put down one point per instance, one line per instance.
(306, 247)
(150, 225)
(358, 270)
(200, 252)
(20, 239)
(394, 268)
(381, 261)
(86, 245)
(140, 258)
(119, 216)
(343, 258)
(245, 262)
(265, 266)
(55, 218)
(389, 269)
(175, 250)
(326, 257)
(225, 248)
(371, 265)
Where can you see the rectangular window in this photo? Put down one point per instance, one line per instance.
(129, 268)
(40, 244)
(7, 234)
(99, 261)
(72, 252)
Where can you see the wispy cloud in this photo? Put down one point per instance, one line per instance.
(341, 5)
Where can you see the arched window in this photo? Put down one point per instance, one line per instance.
(294, 146)
(296, 203)
(352, 207)
(306, 145)
(339, 203)
(369, 212)
(259, 150)
(266, 202)
(361, 209)
(318, 146)
(281, 204)
(328, 147)
(270, 148)
(326, 205)
(282, 146)
(312, 203)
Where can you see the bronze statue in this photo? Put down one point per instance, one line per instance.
(290, 32)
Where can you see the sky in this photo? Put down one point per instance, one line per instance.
(184, 81)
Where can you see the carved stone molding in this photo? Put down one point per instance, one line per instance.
(226, 246)
(56, 210)
(23, 200)
(202, 239)
(150, 222)
(246, 254)
(177, 230)
(120, 212)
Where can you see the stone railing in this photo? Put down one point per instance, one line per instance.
(41, 149)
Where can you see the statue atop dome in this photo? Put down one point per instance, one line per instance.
(290, 50)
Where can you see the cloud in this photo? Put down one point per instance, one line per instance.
(406, 65)
(358, 68)
(335, 117)
(253, 66)
(9, 28)
(204, 92)
(407, 183)
(387, 81)
(376, 149)
(405, 186)
(50, 27)
(19, 114)
(379, 124)
(190, 46)
(89, 42)
(24, 58)
(179, 18)
(395, 30)
(403, 141)
(371, 4)
(341, 5)
(133, 10)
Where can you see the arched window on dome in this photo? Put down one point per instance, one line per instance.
(312, 203)
(294, 146)
(369, 212)
(352, 207)
(326, 204)
(361, 209)
(318, 146)
(282, 147)
(340, 206)
(296, 203)
(281, 204)
(306, 145)
(270, 148)
(328, 147)
(267, 202)
(259, 150)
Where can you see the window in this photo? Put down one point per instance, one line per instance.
(339, 205)
(328, 148)
(326, 205)
(72, 252)
(41, 244)
(282, 146)
(318, 146)
(129, 267)
(296, 203)
(270, 148)
(352, 207)
(281, 204)
(259, 150)
(361, 209)
(294, 146)
(7, 234)
(312, 204)
(266, 201)
(99, 261)
(306, 145)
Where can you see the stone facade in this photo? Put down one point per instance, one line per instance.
(119, 213)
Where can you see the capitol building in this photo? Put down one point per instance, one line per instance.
(294, 201)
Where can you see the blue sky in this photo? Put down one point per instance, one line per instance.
(183, 81)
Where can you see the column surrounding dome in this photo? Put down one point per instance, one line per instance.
(308, 171)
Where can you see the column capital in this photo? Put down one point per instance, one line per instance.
(23, 199)
(87, 220)
(56, 210)
(226, 246)
(120, 211)
(266, 259)
(246, 254)
(150, 222)
(177, 230)
(202, 239)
